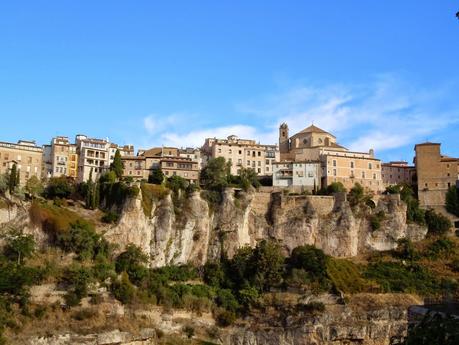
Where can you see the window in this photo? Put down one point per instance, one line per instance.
(369, 166)
(267, 169)
(334, 172)
(334, 163)
(363, 174)
(374, 176)
(240, 152)
(259, 154)
(259, 163)
(305, 141)
(248, 153)
(248, 163)
(310, 174)
(230, 151)
(352, 165)
(259, 170)
(219, 150)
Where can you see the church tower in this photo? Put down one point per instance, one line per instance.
(284, 146)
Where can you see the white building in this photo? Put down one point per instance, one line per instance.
(93, 156)
(298, 175)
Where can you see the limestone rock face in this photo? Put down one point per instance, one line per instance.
(338, 325)
(193, 232)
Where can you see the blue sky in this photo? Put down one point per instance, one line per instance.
(381, 74)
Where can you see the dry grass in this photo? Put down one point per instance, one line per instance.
(53, 219)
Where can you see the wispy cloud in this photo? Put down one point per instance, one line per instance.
(385, 113)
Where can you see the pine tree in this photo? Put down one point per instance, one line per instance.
(13, 178)
(117, 165)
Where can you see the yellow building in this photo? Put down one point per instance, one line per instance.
(338, 164)
(62, 159)
(27, 156)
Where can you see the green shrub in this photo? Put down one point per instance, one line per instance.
(213, 274)
(396, 277)
(227, 300)
(406, 251)
(225, 318)
(437, 223)
(76, 278)
(333, 188)
(310, 259)
(434, 329)
(132, 261)
(189, 331)
(59, 187)
(110, 217)
(452, 200)
(441, 248)
(123, 289)
(413, 212)
(376, 219)
(156, 176)
(19, 247)
(216, 173)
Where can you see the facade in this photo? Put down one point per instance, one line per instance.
(338, 164)
(194, 154)
(305, 175)
(399, 172)
(243, 153)
(126, 150)
(170, 160)
(27, 156)
(93, 157)
(134, 166)
(179, 166)
(435, 174)
(64, 158)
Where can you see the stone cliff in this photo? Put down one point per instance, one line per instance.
(193, 232)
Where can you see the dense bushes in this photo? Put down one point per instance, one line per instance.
(152, 193)
(437, 223)
(59, 187)
(452, 200)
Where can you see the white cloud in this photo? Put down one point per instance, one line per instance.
(385, 114)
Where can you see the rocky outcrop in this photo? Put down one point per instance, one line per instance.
(372, 324)
(189, 232)
(188, 229)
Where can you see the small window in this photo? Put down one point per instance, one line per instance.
(334, 163)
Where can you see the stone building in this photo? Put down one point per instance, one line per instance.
(435, 172)
(297, 175)
(338, 164)
(398, 172)
(243, 153)
(27, 156)
(169, 159)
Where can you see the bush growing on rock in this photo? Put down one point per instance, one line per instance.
(437, 223)
(132, 261)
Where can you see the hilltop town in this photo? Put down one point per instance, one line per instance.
(307, 161)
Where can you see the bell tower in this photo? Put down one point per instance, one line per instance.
(284, 146)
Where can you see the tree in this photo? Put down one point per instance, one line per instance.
(266, 265)
(117, 165)
(310, 259)
(19, 247)
(215, 175)
(335, 187)
(4, 185)
(437, 223)
(452, 201)
(248, 177)
(176, 183)
(132, 261)
(34, 186)
(92, 193)
(59, 187)
(156, 176)
(13, 180)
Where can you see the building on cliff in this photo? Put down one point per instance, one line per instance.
(338, 164)
(27, 156)
(435, 172)
(398, 172)
(243, 153)
(171, 160)
(304, 175)
(60, 158)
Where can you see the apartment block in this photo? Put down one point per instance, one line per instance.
(305, 175)
(93, 157)
(180, 166)
(194, 154)
(134, 166)
(243, 153)
(60, 158)
(436, 173)
(398, 172)
(338, 164)
(27, 156)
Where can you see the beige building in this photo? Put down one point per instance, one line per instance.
(398, 172)
(179, 166)
(27, 156)
(169, 159)
(338, 164)
(243, 153)
(435, 172)
(301, 176)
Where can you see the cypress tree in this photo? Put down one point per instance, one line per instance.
(13, 178)
(117, 165)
